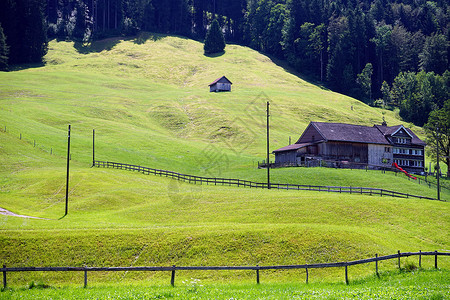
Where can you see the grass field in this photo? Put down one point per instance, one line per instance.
(420, 284)
(121, 218)
(154, 109)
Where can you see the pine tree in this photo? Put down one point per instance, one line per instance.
(434, 57)
(386, 92)
(214, 41)
(35, 43)
(4, 51)
(364, 79)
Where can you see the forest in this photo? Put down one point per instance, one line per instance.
(390, 53)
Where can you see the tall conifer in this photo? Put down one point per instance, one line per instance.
(214, 41)
(4, 51)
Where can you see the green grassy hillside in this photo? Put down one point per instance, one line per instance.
(149, 101)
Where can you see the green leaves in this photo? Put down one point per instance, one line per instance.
(438, 134)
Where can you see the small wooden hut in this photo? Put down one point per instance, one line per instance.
(221, 84)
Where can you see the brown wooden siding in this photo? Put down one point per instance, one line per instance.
(354, 152)
(310, 135)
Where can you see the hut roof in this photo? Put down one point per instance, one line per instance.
(222, 79)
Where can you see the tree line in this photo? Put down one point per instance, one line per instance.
(391, 53)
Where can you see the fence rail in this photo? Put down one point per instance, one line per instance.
(256, 268)
(250, 184)
(361, 166)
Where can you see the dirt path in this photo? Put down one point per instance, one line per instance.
(11, 214)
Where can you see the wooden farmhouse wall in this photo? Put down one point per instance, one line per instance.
(355, 152)
(380, 155)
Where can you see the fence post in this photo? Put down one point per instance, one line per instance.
(399, 259)
(172, 279)
(85, 278)
(307, 275)
(4, 277)
(376, 266)
(420, 258)
(346, 274)
(435, 260)
(257, 274)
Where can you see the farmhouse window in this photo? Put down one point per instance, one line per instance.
(401, 151)
(402, 140)
(402, 162)
(417, 163)
(416, 152)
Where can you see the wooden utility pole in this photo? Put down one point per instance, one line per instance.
(268, 153)
(93, 147)
(67, 176)
(438, 169)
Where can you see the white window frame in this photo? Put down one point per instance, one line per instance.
(417, 163)
(416, 152)
(402, 162)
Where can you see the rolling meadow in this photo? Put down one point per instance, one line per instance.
(148, 100)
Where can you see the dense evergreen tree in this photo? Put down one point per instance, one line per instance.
(382, 42)
(34, 43)
(339, 69)
(4, 51)
(214, 41)
(434, 56)
(317, 44)
(364, 80)
(24, 26)
(385, 91)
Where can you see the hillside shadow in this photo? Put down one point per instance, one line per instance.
(143, 37)
(97, 46)
(20, 67)
(108, 44)
(212, 55)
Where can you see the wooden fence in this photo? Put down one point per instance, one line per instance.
(251, 184)
(256, 268)
(359, 166)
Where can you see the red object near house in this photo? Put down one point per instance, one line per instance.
(407, 174)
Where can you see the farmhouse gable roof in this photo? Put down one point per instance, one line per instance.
(349, 133)
(222, 79)
(393, 130)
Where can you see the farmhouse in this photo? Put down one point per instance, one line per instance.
(221, 84)
(338, 145)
